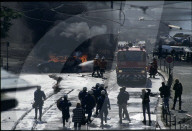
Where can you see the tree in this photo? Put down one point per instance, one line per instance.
(7, 15)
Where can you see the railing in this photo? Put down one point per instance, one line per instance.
(171, 119)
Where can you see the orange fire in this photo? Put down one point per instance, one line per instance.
(57, 58)
(54, 58)
(83, 58)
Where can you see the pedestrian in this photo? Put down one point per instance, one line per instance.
(64, 105)
(178, 92)
(155, 64)
(145, 104)
(103, 106)
(82, 95)
(165, 94)
(78, 116)
(124, 88)
(39, 97)
(89, 104)
(103, 66)
(96, 66)
(122, 99)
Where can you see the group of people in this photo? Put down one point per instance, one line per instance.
(99, 66)
(97, 98)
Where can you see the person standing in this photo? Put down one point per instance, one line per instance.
(165, 94)
(103, 105)
(64, 105)
(122, 99)
(78, 116)
(96, 67)
(39, 97)
(178, 92)
(145, 104)
(89, 104)
(96, 93)
(102, 65)
(82, 95)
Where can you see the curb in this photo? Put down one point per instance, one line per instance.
(159, 106)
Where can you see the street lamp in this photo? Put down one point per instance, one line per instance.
(174, 26)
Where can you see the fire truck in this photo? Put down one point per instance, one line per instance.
(131, 65)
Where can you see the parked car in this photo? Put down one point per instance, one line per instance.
(183, 49)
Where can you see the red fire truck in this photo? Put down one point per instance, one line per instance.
(131, 65)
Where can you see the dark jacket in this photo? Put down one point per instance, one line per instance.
(82, 95)
(103, 103)
(65, 104)
(164, 91)
(96, 93)
(39, 96)
(146, 98)
(89, 102)
(178, 88)
(78, 115)
(123, 97)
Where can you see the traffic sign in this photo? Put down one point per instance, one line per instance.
(169, 59)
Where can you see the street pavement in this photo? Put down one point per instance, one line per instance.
(52, 117)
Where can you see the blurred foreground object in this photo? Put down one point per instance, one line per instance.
(11, 83)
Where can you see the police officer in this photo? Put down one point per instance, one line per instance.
(39, 96)
(82, 95)
(64, 105)
(96, 93)
(89, 104)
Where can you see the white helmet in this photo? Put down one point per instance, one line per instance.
(84, 88)
(103, 92)
(65, 96)
(97, 56)
(90, 92)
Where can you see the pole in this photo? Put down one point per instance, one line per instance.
(7, 55)
(170, 121)
(111, 4)
(175, 122)
(169, 70)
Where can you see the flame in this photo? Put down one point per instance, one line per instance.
(57, 58)
(83, 58)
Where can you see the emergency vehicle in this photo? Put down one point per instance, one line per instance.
(131, 65)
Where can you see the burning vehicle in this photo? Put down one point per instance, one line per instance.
(61, 64)
(81, 59)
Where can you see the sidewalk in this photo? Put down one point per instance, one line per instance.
(183, 72)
